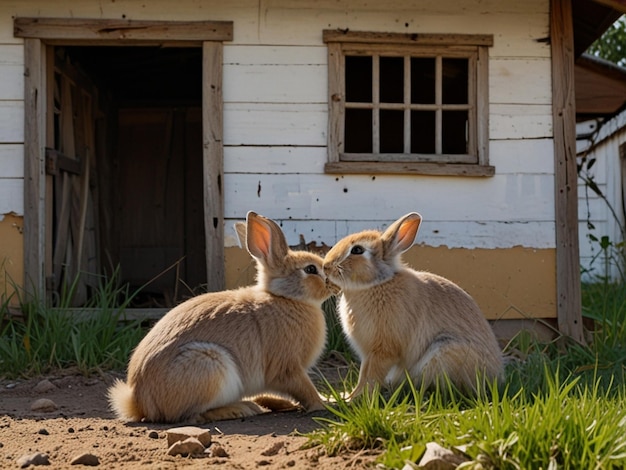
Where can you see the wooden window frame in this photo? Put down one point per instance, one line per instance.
(473, 47)
(41, 33)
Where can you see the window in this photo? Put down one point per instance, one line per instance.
(408, 103)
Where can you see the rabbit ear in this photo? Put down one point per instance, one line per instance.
(240, 228)
(400, 235)
(265, 239)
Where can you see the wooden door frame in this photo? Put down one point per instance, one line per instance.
(40, 34)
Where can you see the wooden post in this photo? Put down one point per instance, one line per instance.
(213, 163)
(566, 195)
(35, 92)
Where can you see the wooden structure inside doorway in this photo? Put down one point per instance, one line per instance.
(64, 238)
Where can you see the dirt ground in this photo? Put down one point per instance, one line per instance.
(83, 424)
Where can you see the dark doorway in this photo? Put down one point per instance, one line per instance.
(145, 208)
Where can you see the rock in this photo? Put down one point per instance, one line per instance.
(33, 459)
(43, 405)
(43, 432)
(86, 459)
(440, 458)
(217, 451)
(153, 435)
(44, 386)
(273, 449)
(190, 446)
(182, 433)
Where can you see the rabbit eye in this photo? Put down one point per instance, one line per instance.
(310, 269)
(357, 250)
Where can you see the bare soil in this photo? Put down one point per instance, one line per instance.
(83, 424)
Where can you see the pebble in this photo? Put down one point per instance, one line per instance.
(217, 451)
(440, 458)
(273, 449)
(190, 446)
(37, 458)
(44, 405)
(44, 386)
(86, 459)
(153, 435)
(182, 433)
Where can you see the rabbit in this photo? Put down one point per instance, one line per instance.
(401, 321)
(206, 356)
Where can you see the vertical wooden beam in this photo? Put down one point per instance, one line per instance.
(213, 163)
(35, 92)
(566, 197)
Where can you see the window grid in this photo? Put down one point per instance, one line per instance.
(467, 152)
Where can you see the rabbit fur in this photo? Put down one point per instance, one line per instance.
(399, 320)
(205, 357)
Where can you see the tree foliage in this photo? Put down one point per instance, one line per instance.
(612, 44)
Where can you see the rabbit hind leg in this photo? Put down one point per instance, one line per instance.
(447, 358)
(209, 379)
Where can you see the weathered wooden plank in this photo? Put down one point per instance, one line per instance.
(115, 30)
(275, 124)
(260, 54)
(261, 160)
(213, 163)
(564, 114)
(11, 122)
(502, 197)
(422, 39)
(11, 196)
(510, 121)
(12, 83)
(509, 81)
(275, 83)
(407, 168)
(449, 233)
(11, 161)
(531, 156)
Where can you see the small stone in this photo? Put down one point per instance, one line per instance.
(44, 405)
(182, 433)
(440, 458)
(291, 463)
(190, 446)
(86, 459)
(153, 435)
(264, 463)
(217, 451)
(44, 386)
(273, 449)
(43, 432)
(33, 459)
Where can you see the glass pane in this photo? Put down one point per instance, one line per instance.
(423, 132)
(422, 80)
(391, 79)
(358, 79)
(391, 131)
(358, 129)
(454, 132)
(454, 83)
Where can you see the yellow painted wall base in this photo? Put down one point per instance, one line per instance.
(11, 256)
(512, 283)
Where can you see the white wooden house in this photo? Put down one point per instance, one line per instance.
(134, 134)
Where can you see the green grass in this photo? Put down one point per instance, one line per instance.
(44, 338)
(562, 405)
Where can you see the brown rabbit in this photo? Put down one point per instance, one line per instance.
(399, 320)
(205, 356)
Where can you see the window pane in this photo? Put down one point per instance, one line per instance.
(391, 131)
(454, 83)
(358, 128)
(359, 79)
(454, 132)
(422, 132)
(422, 80)
(391, 79)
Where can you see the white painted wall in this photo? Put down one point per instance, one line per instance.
(275, 112)
(607, 174)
